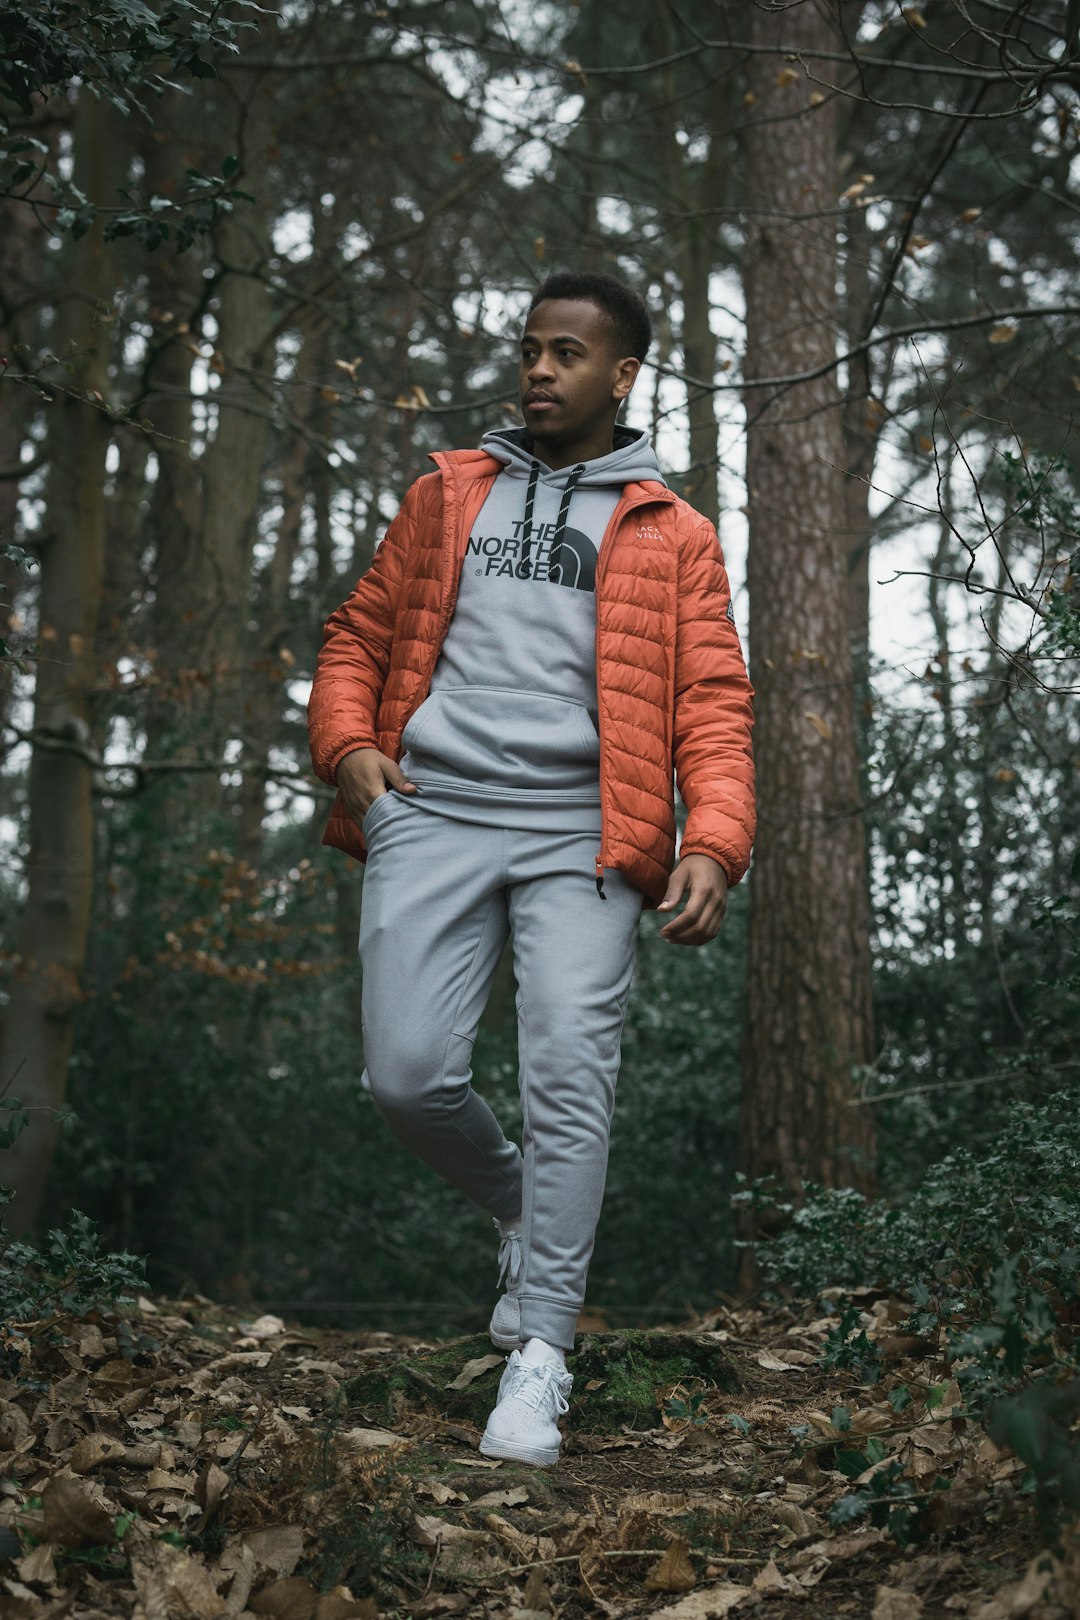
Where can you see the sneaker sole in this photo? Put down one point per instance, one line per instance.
(512, 1452)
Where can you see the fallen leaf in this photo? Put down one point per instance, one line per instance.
(37, 1566)
(278, 1549)
(439, 1492)
(171, 1583)
(210, 1487)
(290, 1599)
(709, 1603)
(765, 1358)
(371, 1439)
(73, 1518)
(1020, 1597)
(436, 1603)
(341, 1605)
(674, 1572)
(264, 1327)
(770, 1581)
(93, 1450)
(496, 1499)
(893, 1603)
(475, 1369)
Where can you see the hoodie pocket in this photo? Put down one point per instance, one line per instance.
(502, 737)
(375, 812)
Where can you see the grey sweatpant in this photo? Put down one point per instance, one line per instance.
(440, 897)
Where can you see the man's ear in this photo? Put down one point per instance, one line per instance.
(626, 374)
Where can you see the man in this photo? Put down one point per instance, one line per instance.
(543, 638)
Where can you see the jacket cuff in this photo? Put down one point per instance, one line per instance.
(733, 870)
(332, 763)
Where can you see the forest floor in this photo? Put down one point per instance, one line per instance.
(174, 1462)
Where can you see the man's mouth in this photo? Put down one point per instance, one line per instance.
(538, 402)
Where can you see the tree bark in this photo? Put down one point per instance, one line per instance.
(46, 984)
(809, 1015)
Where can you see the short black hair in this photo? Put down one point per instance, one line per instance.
(624, 308)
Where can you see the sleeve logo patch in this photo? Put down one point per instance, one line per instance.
(730, 614)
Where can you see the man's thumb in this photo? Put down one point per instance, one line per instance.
(674, 890)
(396, 777)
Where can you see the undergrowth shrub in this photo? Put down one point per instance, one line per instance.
(1021, 1199)
(987, 1250)
(70, 1273)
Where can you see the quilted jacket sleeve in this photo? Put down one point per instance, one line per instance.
(351, 668)
(714, 767)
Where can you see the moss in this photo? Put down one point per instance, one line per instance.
(625, 1368)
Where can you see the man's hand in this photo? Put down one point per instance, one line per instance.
(365, 774)
(704, 883)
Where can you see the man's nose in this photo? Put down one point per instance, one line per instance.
(540, 368)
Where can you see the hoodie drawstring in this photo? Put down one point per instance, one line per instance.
(524, 567)
(564, 504)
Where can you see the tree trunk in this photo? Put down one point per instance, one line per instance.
(45, 986)
(205, 544)
(809, 1017)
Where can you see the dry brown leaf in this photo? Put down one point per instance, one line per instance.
(513, 1497)
(674, 1572)
(14, 1426)
(290, 1599)
(436, 1603)
(38, 1566)
(175, 1585)
(264, 1327)
(210, 1487)
(655, 1502)
(709, 1603)
(372, 1439)
(341, 1605)
(893, 1603)
(73, 1518)
(837, 1549)
(872, 1418)
(793, 1358)
(278, 1549)
(799, 1523)
(770, 1582)
(439, 1492)
(243, 1578)
(1002, 334)
(474, 1369)
(115, 1373)
(463, 1553)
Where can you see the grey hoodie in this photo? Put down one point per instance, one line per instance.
(508, 732)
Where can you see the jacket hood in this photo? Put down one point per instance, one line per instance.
(631, 461)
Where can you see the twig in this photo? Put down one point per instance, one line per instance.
(710, 1554)
(948, 1085)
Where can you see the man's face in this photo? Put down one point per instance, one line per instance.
(572, 378)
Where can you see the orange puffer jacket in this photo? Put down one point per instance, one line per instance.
(671, 682)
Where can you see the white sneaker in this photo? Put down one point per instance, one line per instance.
(505, 1325)
(533, 1395)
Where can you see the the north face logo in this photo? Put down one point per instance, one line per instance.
(649, 531)
(571, 562)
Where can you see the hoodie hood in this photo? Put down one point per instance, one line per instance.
(632, 460)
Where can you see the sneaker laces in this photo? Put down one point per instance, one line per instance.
(530, 1384)
(509, 1255)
